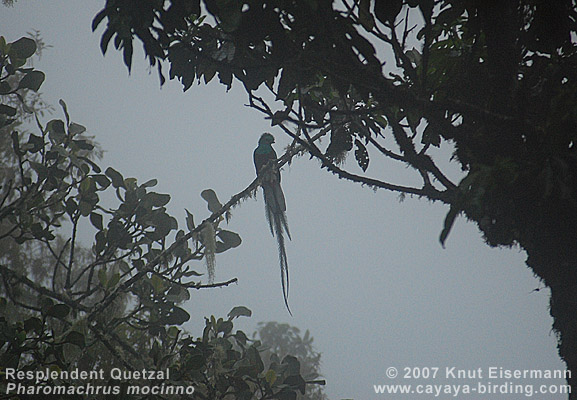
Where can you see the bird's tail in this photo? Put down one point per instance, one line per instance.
(275, 214)
(275, 206)
(282, 257)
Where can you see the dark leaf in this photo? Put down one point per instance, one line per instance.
(71, 206)
(124, 267)
(189, 220)
(22, 48)
(106, 36)
(33, 324)
(210, 196)
(293, 365)
(76, 129)
(230, 15)
(94, 166)
(40, 169)
(286, 395)
(100, 242)
(149, 183)
(157, 199)
(240, 336)
(341, 142)
(297, 382)
(32, 80)
(178, 316)
(56, 130)
(387, 10)
(75, 338)
(239, 311)
(362, 155)
(365, 17)
(279, 117)
(230, 238)
(83, 144)
(449, 220)
(225, 327)
(191, 273)
(115, 177)
(414, 56)
(114, 279)
(36, 142)
(6, 121)
(127, 55)
(10, 111)
(58, 311)
(96, 220)
(163, 222)
(102, 278)
(414, 120)
(85, 208)
(5, 87)
(286, 85)
(101, 180)
(98, 19)
(225, 77)
(222, 247)
(177, 294)
(431, 136)
(195, 362)
(65, 109)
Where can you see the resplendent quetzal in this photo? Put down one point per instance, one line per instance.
(274, 201)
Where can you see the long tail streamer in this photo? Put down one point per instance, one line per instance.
(276, 217)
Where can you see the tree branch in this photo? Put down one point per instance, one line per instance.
(42, 290)
(212, 285)
(148, 268)
(428, 192)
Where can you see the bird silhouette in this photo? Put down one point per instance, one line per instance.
(275, 205)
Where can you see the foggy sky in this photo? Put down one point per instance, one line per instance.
(369, 277)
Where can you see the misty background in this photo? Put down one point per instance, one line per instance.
(369, 277)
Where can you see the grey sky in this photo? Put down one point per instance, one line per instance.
(368, 275)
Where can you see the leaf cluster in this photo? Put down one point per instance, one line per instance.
(119, 302)
(478, 99)
(16, 78)
(394, 80)
(281, 340)
(225, 362)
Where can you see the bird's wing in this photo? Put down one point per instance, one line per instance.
(262, 159)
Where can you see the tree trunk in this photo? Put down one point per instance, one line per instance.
(553, 257)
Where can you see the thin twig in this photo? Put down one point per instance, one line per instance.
(211, 285)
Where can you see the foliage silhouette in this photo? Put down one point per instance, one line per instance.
(119, 302)
(492, 82)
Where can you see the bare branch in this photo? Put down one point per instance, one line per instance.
(212, 285)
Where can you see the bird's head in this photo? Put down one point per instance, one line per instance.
(266, 138)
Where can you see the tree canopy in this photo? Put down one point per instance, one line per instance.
(494, 83)
(282, 340)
